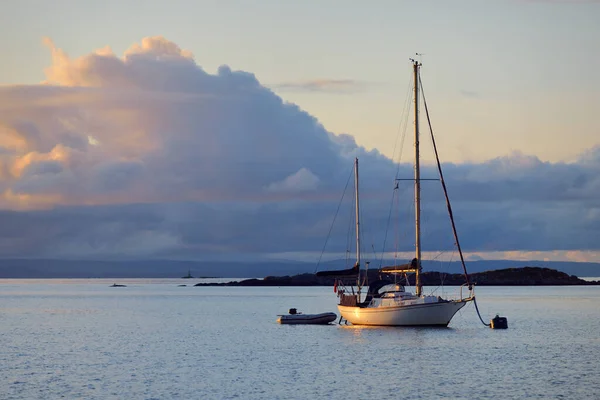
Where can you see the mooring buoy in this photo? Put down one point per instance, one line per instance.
(499, 322)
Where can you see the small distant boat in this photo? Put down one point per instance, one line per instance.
(297, 318)
(117, 285)
(188, 276)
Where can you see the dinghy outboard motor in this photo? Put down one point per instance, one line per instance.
(292, 311)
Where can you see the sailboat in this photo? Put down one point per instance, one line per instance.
(387, 303)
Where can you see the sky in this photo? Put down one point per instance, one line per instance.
(227, 129)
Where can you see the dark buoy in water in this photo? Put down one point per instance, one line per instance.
(499, 323)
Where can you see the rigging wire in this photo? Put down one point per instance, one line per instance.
(334, 218)
(366, 232)
(351, 229)
(403, 124)
(387, 226)
(437, 158)
(462, 260)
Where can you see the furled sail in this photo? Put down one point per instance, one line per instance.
(410, 267)
(342, 272)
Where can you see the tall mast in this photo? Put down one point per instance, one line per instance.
(357, 211)
(416, 66)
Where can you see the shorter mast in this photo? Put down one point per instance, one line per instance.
(355, 270)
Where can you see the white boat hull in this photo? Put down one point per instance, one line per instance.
(427, 314)
(312, 319)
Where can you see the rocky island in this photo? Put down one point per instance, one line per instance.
(525, 276)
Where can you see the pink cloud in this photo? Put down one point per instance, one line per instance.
(161, 127)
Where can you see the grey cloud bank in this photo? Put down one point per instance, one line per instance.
(147, 155)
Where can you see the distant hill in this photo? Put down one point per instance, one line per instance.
(526, 276)
(580, 269)
(45, 268)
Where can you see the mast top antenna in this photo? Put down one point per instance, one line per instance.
(420, 55)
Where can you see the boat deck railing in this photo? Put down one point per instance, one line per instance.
(471, 294)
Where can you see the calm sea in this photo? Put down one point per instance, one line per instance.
(155, 340)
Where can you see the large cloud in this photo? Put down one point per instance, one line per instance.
(148, 155)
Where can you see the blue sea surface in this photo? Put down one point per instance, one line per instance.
(156, 340)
